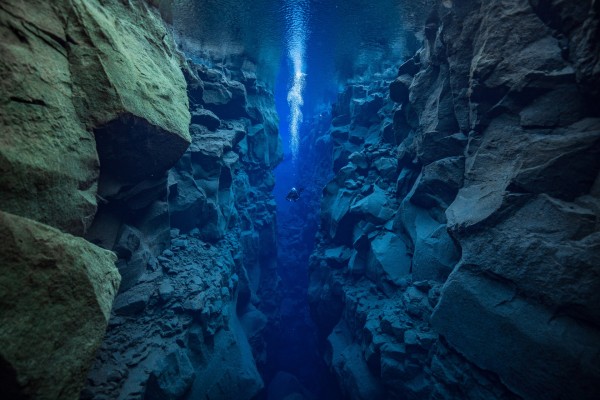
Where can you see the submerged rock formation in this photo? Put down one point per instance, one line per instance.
(188, 321)
(90, 89)
(57, 292)
(97, 123)
(458, 253)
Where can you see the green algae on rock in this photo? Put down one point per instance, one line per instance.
(48, 161)
(72, 69)
(56, 292)
(86, 84)
(127, 79)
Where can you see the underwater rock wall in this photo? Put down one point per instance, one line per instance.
(90, 89)
(188, 321)
(458, 255)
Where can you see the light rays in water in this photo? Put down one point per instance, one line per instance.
(296, 16)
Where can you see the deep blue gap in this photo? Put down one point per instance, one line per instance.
(293, 344)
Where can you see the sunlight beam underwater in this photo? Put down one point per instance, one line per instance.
(296, 15)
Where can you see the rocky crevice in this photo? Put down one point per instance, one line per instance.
(69, 68)
(457, 255)
(189, 319)
(294, 366)
(100, 145)
(458, 237)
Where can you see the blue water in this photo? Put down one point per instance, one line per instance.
(305, 50)
(294, 346)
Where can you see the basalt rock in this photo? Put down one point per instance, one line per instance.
(226, 98)
(189, 324)
(206, 118)
(42, 125)
(95, 110)
(57, 292)
(167, 333)
(399, 89)
(493, 211)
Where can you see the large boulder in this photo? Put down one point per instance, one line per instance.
(365, 110)
(171, 378)
(206, 118)
(348, 362)
(439, 183)
(434, 145)
(228, 99)
(71, 68)
(229, 370)
(399, 88)
(336, 209)
(431, 99)
(186, 201)
(389, 259)
(435, 253)
(57, 292)
(47, 158)
(375, 207)
(501, 331)
(147, 100)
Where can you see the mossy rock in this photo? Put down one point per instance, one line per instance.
(56, 293)
(74, 72)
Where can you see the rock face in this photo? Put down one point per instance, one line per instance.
(57, 292)
(490, 210)
(87, 73)
(93, 103)
(197, 253)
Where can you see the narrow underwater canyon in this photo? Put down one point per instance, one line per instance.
(445, 243)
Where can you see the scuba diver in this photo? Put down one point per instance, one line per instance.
(294, 194)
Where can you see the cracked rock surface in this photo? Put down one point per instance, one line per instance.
(78, 80)
(196, 250)
(473, 267)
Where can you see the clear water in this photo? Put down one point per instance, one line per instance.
(305, 50)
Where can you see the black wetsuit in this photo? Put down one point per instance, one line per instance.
(293, 195)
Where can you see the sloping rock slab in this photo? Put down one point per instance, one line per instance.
(69, 67)
(56, 292)
(538, 354)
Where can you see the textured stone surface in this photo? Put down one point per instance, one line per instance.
(495, 201)
(56, 295)
(189, 324)
(520, 196)
(40, 123)
(93, 111)
(493, 316)
(171, 377)
(85, 72)
(186, 340)
(389, 259)
(206, 118)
